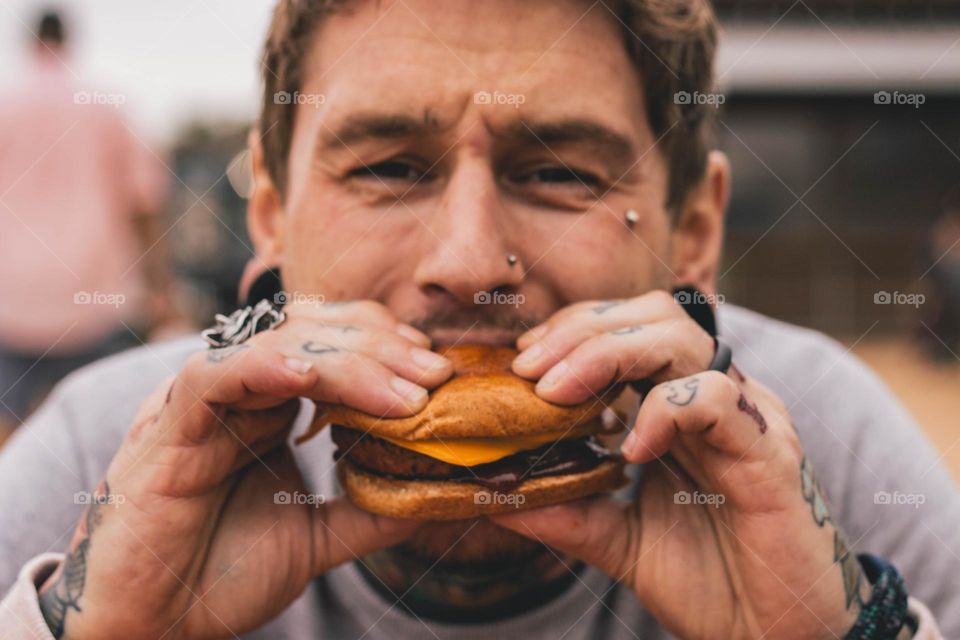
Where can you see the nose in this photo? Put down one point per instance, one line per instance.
(469, 250)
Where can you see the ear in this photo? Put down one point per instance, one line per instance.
(697, 238)
(265, 219)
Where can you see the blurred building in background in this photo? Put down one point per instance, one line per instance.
(841, 123)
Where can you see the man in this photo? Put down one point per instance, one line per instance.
(389, 183)
(79, 194)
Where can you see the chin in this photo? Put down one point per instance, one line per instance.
(468, 542)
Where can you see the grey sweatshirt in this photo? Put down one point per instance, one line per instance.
(888, 492)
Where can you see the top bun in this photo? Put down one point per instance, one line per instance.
(482, 399)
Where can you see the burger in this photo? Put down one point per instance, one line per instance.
(485, 443)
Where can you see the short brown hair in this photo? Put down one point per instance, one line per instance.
(672, 42)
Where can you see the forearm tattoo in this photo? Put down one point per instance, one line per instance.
(751, 410)
(850, 570)
(682, 394)
(63, 589)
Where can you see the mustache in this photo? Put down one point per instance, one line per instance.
(503, 319)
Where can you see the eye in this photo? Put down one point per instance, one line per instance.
(390, 170)
(561, 176)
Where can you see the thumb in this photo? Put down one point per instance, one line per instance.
(343, 532)
(599, 530)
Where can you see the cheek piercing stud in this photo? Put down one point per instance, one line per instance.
(631, 217)
(511, 259)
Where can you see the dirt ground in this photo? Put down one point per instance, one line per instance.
(930, 391)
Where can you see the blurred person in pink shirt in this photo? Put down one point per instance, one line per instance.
(79, 194)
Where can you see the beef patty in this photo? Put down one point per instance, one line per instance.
(383, 457)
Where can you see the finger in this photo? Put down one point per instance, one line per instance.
(596, 530)
(257, 377)
(391, 349)
(342, 532)
(659, 351)
(580, 322)
(708, 405)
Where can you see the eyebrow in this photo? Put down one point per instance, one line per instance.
(604, 140)
(362, 126)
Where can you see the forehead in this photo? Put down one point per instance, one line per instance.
(559, 58)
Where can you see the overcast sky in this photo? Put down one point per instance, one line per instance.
(175, 59)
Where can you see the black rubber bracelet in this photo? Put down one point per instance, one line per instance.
(722, 356)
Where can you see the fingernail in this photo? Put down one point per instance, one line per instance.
(428, 359)
(412, 334)
(295, 364)
(630, 444)
(553, 377)
(412, 393)
(530, 355)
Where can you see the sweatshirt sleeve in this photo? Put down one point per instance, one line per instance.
(20, 615)
(926, 626)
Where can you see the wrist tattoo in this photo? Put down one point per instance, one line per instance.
(682, 394)
(623, 331)
(62, 591)
(318, 348)
(751, 410)
(219, 355)
(850, 570)
(813, 493)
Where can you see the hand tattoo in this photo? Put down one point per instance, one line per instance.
(622, 331)
(603, 307)
(344, 328)
(751, 410)
(682, 398)
(219, 355)
(62, 591)
(318, 348)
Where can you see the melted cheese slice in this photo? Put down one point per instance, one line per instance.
(468, 452)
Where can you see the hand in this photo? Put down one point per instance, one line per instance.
(730, 535)
(185, 537)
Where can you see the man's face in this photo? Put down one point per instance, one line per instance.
(450, 135)
(491, 128)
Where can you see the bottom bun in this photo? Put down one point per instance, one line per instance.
(451, 500)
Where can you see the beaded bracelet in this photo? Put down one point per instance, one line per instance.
(883, 616)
